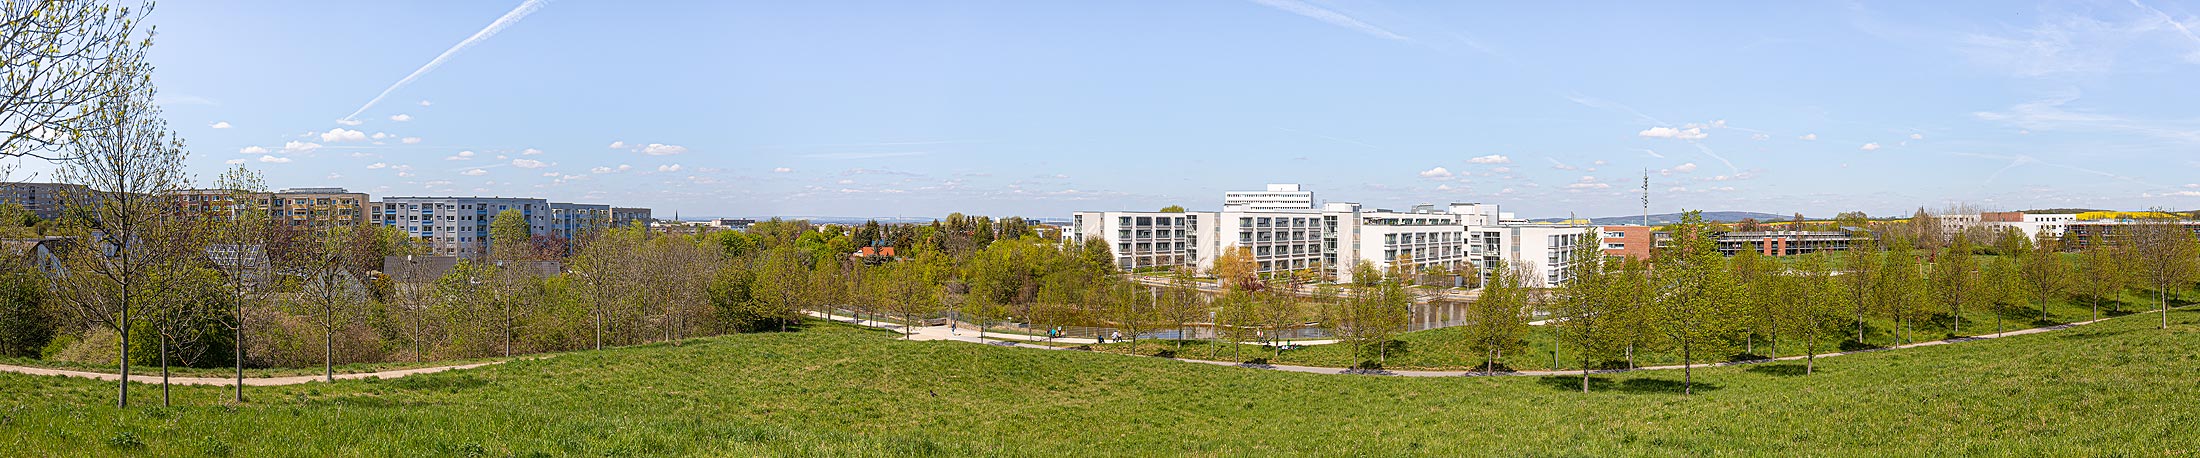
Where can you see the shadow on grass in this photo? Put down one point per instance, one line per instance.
(1782, 370)
(1628, 386)
(1853, 345)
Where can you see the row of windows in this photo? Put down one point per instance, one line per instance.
(1247, 221)
(1420, 237)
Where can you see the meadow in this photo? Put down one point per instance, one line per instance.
(2120, 387)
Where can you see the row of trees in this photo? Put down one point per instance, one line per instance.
(1691, 300)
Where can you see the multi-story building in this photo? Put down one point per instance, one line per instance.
(572, 221)
(1144, 241)
(47, 200)
(458, 226)
(1783, 243)
(2083, 234)
(627, 216)
(1626, 241)
(318, 208)
(1285, 233)
(299, 208)
(1277, 197)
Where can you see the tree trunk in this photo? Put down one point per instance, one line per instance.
(1688, 374)
(1810, 362)
(1630, 356)
(328, 351)
(237, 351)
(164, 370)
(122, 399)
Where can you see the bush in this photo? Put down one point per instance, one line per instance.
(26, 325)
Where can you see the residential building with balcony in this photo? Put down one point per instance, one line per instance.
(46, 200)
(458, 226)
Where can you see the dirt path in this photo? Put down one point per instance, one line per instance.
(154, 378)
(969, 335)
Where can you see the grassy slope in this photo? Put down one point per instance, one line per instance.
(2120, 387)
(1446, 348)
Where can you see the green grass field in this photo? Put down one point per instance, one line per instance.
(2117, 388)
(1447, 349)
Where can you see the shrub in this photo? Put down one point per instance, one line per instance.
(26, 325)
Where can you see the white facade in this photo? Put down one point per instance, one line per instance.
(1286, 234)
(1277, 197)
(1146, 240)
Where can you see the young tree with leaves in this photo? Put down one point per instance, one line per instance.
(1954, 279)
(128, 160)
(2046, 276)
(2103, 274)
(1695, 295)
(1814, 306)
(1496, 320)
(2167, 257)
(1584, 307)
(66, 62)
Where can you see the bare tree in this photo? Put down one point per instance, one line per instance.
(61, 72)
(127, 159)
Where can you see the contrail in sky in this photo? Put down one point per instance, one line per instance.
(510, 18)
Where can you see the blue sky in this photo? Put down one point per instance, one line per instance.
(1042, 108)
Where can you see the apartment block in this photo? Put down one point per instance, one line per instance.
(312, 209)
(573, 221)
(47, 200)
(458, 226)
(1285, 231)
(1626, 241)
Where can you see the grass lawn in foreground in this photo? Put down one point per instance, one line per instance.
(1448, 349)
(2117, 388)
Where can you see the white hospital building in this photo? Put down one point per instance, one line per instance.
(1286, 230)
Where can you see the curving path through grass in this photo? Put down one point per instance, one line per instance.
(154, 378)
(943, 332)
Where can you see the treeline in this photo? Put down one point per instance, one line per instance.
(1691, 300)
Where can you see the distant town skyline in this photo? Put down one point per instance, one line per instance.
(1038, 110)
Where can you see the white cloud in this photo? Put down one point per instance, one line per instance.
(1917, 136)
(1809, 137)
(618, 145)
(343, 135)
(334, 175)
(234, 161)
(350, 122)
(1683, 168)
(252, 150)
(660, 149)
(1598, 162)
(410, 140)
(401, 117)
(1491, 159)
(474, 172)
(1760, 136)
(425, 103)
(782, 170)
(462, 155)
(1692, 133)
(379, 135)
(620, 168)
(530, 152)
(298, 147)
(1502, 170)
(669, 168)
(274, 159)
(529, 163)
(1870, 147)
(378, 165)
(220, 125)
(1588, 182)
(1438, 172)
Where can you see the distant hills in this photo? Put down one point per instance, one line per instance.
(1673, 218)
